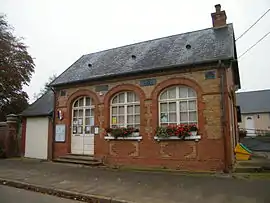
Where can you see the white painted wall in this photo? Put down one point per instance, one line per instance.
(36, 142)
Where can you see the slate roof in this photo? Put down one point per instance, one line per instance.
(254, 101)
(43, 106)
(206, 45)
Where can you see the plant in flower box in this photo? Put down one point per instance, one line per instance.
(161, 132)
(193, 129)
(121, 132)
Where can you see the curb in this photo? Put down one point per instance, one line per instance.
(59, 192)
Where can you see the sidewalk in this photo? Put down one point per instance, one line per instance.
(141, 187)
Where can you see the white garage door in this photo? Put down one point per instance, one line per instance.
(36, 142)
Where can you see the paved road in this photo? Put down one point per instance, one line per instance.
(14, 195)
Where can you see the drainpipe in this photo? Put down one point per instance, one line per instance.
(53, 122)
(223, 114)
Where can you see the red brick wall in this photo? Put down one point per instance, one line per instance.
(206, 154)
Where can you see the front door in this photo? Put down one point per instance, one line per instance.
(82, 134)
(249, 125)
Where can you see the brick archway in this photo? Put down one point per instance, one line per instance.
(70, 101)
(173, 82)
(120, 88)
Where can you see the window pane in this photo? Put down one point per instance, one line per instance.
(183, 106)
(121, 119)
(137, 109)
(163, 95)
(87, 112)
(183, 117)
(92, 112)
(164, 117)
(114, 120)
(114, 110)
(75, 113)
(192, 105)
(115, 100)
(121, 110)
(172, 93)
(193, 116)
(130, 97)
(191, 93)
(87, 121)
(137, 126)
(183, 91)
(76, 104)
(137, 119)
(130, 109)
(163, 107)
(75, 122)
(172, 106)
(81, 102)
(122, 98)
(172, 117)
(80, 113)
(87, 101)
(130, 119)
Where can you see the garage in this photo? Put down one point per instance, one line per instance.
(36, 140)
(37, 119)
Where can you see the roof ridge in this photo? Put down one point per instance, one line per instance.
(150, 40)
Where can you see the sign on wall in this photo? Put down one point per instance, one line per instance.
(210, 75)
(60, 133)
(148, 82)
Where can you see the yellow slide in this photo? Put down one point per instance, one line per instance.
(242, 153)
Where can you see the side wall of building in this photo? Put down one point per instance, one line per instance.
(206, 154)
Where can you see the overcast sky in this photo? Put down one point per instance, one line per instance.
(58, 32)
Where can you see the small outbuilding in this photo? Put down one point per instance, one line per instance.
(37, 124)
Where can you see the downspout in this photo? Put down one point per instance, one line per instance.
(53, 122)
(223, 112)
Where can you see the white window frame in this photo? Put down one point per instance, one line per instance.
(125, 104)
(177, 100)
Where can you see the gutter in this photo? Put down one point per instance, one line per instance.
(223, 118)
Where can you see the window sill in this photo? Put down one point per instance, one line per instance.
(138, 138)
(192, 137)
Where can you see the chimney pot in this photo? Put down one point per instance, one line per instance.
(218, 8)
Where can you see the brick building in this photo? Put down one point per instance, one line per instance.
(186, 78)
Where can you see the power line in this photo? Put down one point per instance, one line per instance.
(253, 25)
(254, 45)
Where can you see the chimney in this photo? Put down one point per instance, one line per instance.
(219, 17)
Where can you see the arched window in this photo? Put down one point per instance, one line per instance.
(125, 110)
(178, 105)
(83, 116)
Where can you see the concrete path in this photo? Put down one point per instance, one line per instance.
(141, 187)
(14, 195)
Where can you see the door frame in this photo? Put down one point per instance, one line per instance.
(74, 96)
(83, 137)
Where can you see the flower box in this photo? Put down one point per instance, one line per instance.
(133, 136)
(191, 137)
(123, 134)
(177, 132)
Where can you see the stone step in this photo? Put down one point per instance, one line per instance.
(80, 157)
(255, 163)
(77, 161)
(248, 169)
